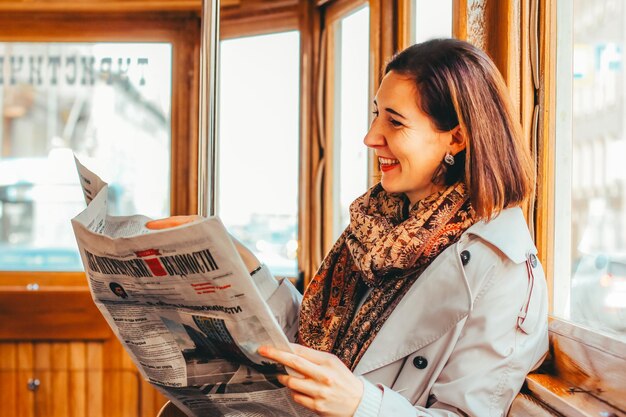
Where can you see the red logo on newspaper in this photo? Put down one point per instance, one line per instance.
(155, 266)
(208, 287)
(147, 252)
(153, 263)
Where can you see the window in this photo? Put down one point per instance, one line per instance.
(351, 81)
(109, 103)
(431, 19)
(258, 162)
(590, 190)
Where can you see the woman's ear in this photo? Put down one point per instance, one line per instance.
(458, 141)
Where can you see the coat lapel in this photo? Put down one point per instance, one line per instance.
(436, 302)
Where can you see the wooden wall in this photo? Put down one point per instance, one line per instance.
(76, 379)
(57, 336)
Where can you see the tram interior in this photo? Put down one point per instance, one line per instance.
(118, 84)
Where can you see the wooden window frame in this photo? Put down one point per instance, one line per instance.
(104, 21)
(334, 12)
(251, 18)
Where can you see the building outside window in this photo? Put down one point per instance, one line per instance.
(258, 163)
(107, 103)
(590, 225)
(431, 19)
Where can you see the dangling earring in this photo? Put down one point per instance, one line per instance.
(449, 159)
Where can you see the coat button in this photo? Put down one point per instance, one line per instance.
(420, 362)
(465, 257)
(533, 260)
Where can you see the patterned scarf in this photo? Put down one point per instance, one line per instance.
(386, 247)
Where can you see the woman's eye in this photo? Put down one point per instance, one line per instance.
(395, 123)
(375, 113)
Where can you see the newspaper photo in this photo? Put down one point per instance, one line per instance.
(185, 308)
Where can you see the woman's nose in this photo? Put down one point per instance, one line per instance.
(374, 138)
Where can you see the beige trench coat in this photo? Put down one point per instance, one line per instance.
(465, 335)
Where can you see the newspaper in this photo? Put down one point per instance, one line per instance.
(184, 306)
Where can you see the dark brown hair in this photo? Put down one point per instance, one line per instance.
(458, 85)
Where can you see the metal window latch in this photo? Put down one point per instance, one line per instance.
(33, 384)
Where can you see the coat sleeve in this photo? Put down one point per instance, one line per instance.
(283, 299)
(504, 337)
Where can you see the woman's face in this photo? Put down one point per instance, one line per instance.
(408, 147)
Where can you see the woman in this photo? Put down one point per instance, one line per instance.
(432, 301)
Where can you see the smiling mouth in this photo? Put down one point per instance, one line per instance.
(387, 164)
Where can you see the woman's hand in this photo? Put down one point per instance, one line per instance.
(327, 387)
(172, 221)
(249, 259)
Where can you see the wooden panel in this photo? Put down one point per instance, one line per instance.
(98, 6)
(255, 17)
(525, 405)
(25, 399)
(51, 314)
(330, 95)
(121, 382)
(77, 27)
(77, 379)
(567, 400)
(185, 108)
(459, 19)
(263, 23)
(309, 211)
(151, 400)
(8, 379)
(590, 361)
(60, 394)
(95, 379)
(43, 279)
(113, 389)
(42, 365)
(130, 381)
(340, 8)
(544, 225)
(406, 13)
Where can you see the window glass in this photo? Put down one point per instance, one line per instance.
(432, 19)
(107, 103)
(351, 114)
(590, 220)
(258, 162)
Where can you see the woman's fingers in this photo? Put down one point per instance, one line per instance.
(305, 401)
(295, 362)
(171, 222)
(315, 356)
(328, 387)
(305, 386)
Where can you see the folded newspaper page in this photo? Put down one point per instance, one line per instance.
(185, 308)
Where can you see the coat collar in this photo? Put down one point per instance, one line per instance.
(508, 232)
(441, 297)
